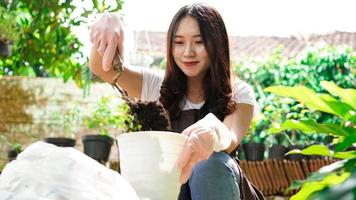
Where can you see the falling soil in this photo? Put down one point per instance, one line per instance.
(151, 115)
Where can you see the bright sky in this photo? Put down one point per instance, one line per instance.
(252, 17)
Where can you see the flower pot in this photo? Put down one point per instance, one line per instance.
(5, 49)
(61, 142)
(254, 151)
(12, 154)
(97, 147)
(277, 151)
(147, 161)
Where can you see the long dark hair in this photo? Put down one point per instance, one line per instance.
(217, 80)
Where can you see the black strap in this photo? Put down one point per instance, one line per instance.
(248, 191)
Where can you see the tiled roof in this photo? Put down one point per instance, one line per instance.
(252, 46)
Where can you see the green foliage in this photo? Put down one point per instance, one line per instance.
(257, 132)
(337, 64)
(48, 47)
(319, 184)
(13, 145)
(69, 119)
(9, 29)
(108, 116)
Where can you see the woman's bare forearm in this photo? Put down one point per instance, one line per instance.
(130, 78)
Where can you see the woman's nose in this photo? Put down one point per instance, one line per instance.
(189, 51)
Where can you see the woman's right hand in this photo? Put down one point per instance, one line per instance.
(107, 36)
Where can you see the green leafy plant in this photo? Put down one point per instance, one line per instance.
(107, 116)
(336, 181)
(48, 46)
(256, 131)
(337, 64)
(12, 144)
(9, 29)
(69, 120)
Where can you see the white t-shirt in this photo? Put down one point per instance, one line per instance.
(152, 81)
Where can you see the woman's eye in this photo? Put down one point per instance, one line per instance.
(178, 42)
(199, 42)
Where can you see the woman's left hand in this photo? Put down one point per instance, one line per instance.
(199, 146)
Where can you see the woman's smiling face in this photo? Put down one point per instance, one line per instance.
(189, 51)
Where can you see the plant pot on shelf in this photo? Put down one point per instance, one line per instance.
(60, 141)
(253, 151)
(97, 147)
(277, 151)
(5, 49)
(147, 161)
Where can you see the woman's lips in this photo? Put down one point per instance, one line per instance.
(190, 63)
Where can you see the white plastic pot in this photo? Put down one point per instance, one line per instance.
(147, 161)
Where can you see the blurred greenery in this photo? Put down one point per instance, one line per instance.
(309, 68)
(107, 115)
(9, 29)
(47, 46)
(69, 119)
(333, 180)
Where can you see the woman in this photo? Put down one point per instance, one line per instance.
(198, 92)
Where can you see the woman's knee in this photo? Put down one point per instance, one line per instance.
(219, 163)
(215, 177)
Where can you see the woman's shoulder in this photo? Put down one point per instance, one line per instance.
(240, 85)
(151, 83)
(243, 92)
(152, 73)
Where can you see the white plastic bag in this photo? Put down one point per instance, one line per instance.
(44, 171)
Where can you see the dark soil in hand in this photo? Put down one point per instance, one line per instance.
(151, 115)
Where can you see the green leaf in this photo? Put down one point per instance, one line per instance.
(310, 126)
(96, 4)
(351, 117)
(346, 164)
(323, 102)
(347, 95)
(315, 149)
(344, 191)
(310, 187)
(345, 142)
(345, 154)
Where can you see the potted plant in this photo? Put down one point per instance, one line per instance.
(68, 120)
(340, 103)
(148, 150)
(279, 146)
(14, 148)
(103, 119)
(9, 31)
(298, 143)
(253, 143)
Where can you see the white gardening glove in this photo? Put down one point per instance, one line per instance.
(205, 136)
(107, 35)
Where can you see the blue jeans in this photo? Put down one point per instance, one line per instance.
(214, 179)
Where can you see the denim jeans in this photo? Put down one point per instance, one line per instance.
(214, 179)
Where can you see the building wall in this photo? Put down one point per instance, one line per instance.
(28, 107)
